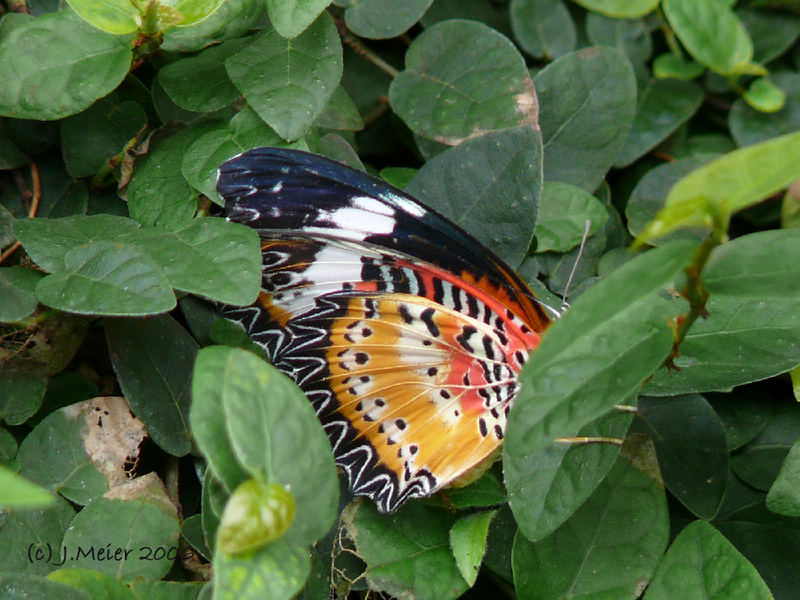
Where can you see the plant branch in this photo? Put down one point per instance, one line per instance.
(35, 198)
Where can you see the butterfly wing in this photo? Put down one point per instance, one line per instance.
(410, 363)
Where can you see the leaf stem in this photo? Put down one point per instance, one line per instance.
(360, 49)
(37, 195)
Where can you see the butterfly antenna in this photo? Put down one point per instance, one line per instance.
(564, 302)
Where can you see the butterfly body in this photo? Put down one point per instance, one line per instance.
(404, 332)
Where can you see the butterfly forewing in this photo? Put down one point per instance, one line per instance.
(410, 358)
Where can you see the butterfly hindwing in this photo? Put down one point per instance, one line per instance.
(411, 364)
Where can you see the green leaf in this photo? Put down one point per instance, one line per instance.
(749, 126)
(543, 28)
(289, 82)
(753, 327)
(340, 113)
(54, 455)
(199, 83)
(562, 217)
(130, 532)
(712, 34)
(19, 586)
(275, 435)
(463, 79)
(663, 105)
(99, 586)
(760, 171)
(570, 382)
(468, 543)
(672, 65)
(647, 198)
(170, 590)
(232, 20)
(486, 491)
(92, 137)
(108, 278)
(407, 553)
(18, 492)
(22, 395)
(67, 65)
(784, 494)
(209, 257)
(153, 359)
(692, 450)
(588, 101)
(610, 547)
(120, 16)
(619, 9)
(399, 177)
(158, 193)
(701, 563)
(381, 19)
(764, 96)
(17, 288)
(630, 36)
(47, 241)
(34, 531)
(553, 482)
(277, 572)
(772, 31)
(743, 415)
(490, 186)
(290, 18)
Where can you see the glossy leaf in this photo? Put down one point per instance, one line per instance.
(153, 359)
(288, 82)
(701, 563)
(463, 79)
(55, 52)
(588, 101)
(490, 186)
(761, 170)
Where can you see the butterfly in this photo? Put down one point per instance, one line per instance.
(405, 332)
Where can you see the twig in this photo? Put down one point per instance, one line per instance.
(37, 195)
(360, 49)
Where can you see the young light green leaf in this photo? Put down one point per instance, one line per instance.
(544, 28)
(99, 586)
(44, 64)
(490, 186)
(276, 436)
(468, 543)
(463, 79)
(123, 16)
(764, 96)
(701, 563)
(290, 18)
(153, 359)
(671, 65)
(610, 547)
(289, 82)
(588, 101)
(381, 19)
(712, 34)
(108, 278)
(620, 9)
(561, 221)
(749, 126)
(18, 492)
(730, 183)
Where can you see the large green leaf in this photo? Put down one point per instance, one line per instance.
(57, 65)
(153, 359)
(610, 547)
(588, 101)
(463, 79)
(288, 82)
(595, 356)
(753, 326)
(126, 16)
(701, 564)
(490, 186)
